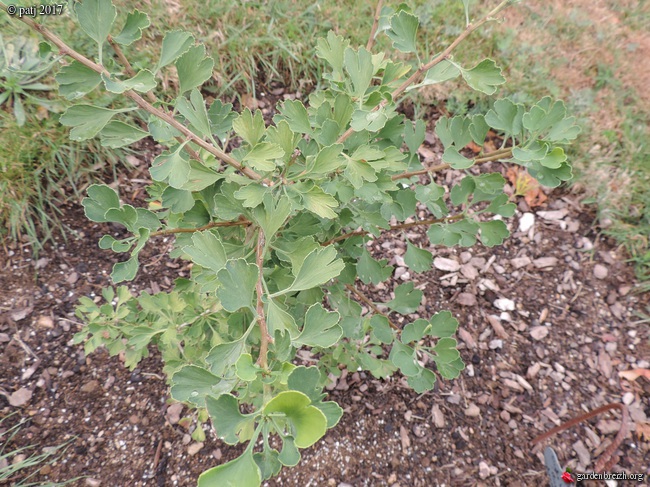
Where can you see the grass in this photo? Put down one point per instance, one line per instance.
(40, 170)
(599, 46)
(586, 52)
(19, 465)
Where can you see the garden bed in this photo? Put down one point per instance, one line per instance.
(547, 322)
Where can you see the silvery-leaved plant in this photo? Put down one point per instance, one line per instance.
(277, 228)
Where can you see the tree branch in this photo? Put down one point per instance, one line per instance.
(490, 156)
(150, 95)
(265, 338)
(200, 229)
(362, 297)
(439, 58)
(399, 226)
(120, 55)
(375, 24)
(64, 49)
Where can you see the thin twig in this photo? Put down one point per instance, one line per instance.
(438, 59)
(25, 346)
(156, 457)
(607, 460)
(200, 229)
(259, 286)
(65, 50)
(375, 24)
(127, 66)
(399, 226)
(490, 156)
(120, 55)
(362, 297)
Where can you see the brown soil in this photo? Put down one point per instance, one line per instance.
(557, 354)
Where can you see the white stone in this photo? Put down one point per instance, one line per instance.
(496, 343)
(553, 214)
(504, 304)
(444, 264)
(628, 398)
(526, 222)
(483, 470)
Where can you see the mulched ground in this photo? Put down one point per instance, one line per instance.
(548, 320)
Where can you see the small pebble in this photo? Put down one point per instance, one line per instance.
(90, 386)
(483, 470)
(72, 278)
(472, 410)
(533, 370)
(494, 344)
(45, 322)
(174, 413)
(109, 381)
(444, 264)
(19, 459)
(600, 271)
(194, 448)
(466, 299)
(543, 262)
(453, 398)
(539, 332)
(628, 398)
(526, 222)
(400, 271)
(504, 304)
(519, 262)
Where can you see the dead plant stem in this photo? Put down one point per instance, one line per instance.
(375, 24)
(200, 229)
(490, 156)
(261, 319)
(399, 226)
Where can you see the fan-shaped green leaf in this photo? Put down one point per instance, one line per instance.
(240, 472)
(135, 23)
(194, 68)
(96, 18)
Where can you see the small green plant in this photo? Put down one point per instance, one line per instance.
(23, 63)
(277, 228)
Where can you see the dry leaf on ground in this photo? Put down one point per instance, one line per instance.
(634, 374)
